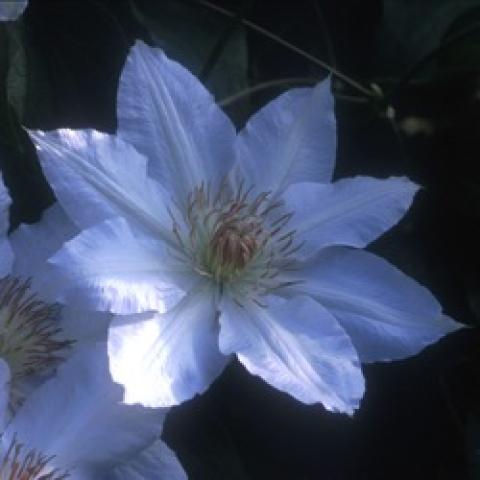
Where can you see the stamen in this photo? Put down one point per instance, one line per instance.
(232, 238)
(32, 465)
(28, 329)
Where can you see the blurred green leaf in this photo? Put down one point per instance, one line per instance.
(190, 34)
(28, 89)
(411, 29)
(16, 83)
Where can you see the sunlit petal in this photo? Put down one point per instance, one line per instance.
(387, 315)
(162, 360)
(297, 347)
(96, 176)
(353, 211)
(112, 267)
(292, 139)
(169, 116)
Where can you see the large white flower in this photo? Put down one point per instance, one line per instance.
(74, 426)
(211, 244)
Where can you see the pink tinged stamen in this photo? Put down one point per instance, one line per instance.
(21, 464)
(237, 239)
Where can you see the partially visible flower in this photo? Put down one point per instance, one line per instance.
(6, 254)
(242, 244)
(12, 9)
(74, 426)
(35, 334)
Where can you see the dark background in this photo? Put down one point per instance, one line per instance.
(420, 418)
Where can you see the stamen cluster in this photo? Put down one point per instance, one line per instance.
(31, 465)
(28, 329)
(237, 238)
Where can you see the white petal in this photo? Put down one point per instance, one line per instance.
(292, 139)
(166, 113)
(12, 9)
(4, 392)
(387, 314)
(34, 244)
(162, 360)
(96, 176)
(6, 255)
(83, 325)
(5, 202)
(353, 211)
(77, 416)
(110, 267)
(156, 462)
(296, 346)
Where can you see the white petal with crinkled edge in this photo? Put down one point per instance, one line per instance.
(78, 417)
(292, 139)
(110, 267)
(169, 116)
(6, 254)
(156, 462)
(162, 360)
(96, 176)
(12, 9)
(353, 211)
(296, 346)
(387, 315)
(34, 243)
(4, 392)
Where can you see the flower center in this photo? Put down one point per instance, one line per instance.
(236, 238)
(28, 329)
(232, 246)
(17, 464)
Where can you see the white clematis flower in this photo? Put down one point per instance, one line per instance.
(29, 328)
(12, 9)
(35, 334)
(212, 244)
(74, 426)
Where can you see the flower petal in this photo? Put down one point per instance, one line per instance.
(353, 211)
(110, 267)
(296, 346)
(83, 325)
(96, 176)
(77, 416)
(292, 139)
(156, 462)
(162, 360)
(387, 315)
(167, 114)
(6, 254)
(12, 9)
(34, 244)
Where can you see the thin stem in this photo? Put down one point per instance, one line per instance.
(226, 102)
(325, 33)
(293, 48)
